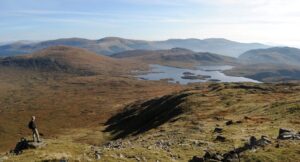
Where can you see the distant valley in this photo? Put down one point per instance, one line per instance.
(255, 61)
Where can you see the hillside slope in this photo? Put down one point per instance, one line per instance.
(68, 59)
(175, 127)
(277, 55)
(183, 124)
(267, 72)
(176, 57)
(269, 65)
(111, 45)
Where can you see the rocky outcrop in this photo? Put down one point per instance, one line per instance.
(232, 155)
(285, 134)
(24, 144)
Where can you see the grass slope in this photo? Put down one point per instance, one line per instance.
(179, 125)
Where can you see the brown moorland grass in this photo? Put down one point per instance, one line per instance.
(61, 101)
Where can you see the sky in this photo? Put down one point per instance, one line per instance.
(275, 22)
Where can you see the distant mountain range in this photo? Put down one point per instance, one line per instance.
(112, 45)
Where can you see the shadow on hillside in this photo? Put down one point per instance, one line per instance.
(141, 117)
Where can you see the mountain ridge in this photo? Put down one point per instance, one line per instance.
(111, 45)
(176, 57)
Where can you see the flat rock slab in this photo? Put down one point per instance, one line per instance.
(36, 145)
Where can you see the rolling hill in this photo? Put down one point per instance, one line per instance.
(111, 45)
(267, 72)
(176, 57)
(278, 64)
(277, 55)
(68, 59)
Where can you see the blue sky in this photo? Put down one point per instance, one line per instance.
(267, 21)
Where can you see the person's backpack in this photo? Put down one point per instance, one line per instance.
(30, 125)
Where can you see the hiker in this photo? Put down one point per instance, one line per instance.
(35, 132)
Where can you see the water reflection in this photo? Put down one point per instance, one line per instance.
(185, 76)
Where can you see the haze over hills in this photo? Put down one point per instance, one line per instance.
(276, 55)
(176, 57)
(269, 65)
(111, 45)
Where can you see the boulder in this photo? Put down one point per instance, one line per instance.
(297, 136)
(230, 122)
(97, 155)
(285, 134)
(231, 156)
(24, 144)
(218, 130)
(284, 130)
(220, 138)
(239, 122)
(252, 142)
(197, 159)
(263, 141)
(36, 145)
(212, 156)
